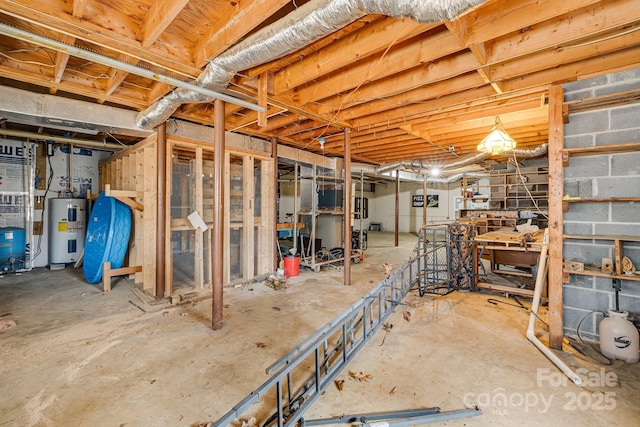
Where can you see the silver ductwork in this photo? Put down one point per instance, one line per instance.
(527, 153)
(305, 25)
(417, 166)
(454, 178)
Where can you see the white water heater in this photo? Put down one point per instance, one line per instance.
(67, 228)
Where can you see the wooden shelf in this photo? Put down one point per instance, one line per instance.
(601, 237)
(593, 271)
(598, 150)
(618, 246)
(566, 203)
(513, 189)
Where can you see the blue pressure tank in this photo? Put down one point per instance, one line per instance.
(12, 247)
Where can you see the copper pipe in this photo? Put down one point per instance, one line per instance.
(397, 204)
(217, 252)
(347, 207)
(161, 160)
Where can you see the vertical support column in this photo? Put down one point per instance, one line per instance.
(161, 154)
(397, 205)
(217, 254)
(347, 207)
(249, 236)
(198, 264)
(424, 200)
(274, 223)
(556, 189)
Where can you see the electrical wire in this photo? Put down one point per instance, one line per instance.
(22, 61)
(117, 140)
(523, 183)
(44, 205)
(602, 39)
(583, 319)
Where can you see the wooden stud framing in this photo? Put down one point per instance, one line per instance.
(248, 201)
(556, 188)
(130, 176)
(198, 265)
(227, 218)
(135, 171)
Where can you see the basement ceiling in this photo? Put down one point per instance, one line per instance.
(406, 90)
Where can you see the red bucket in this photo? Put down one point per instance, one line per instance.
(291, 265)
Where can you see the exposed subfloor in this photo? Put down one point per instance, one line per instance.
(78, 357)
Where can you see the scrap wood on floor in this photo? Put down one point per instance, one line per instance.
(277, 283)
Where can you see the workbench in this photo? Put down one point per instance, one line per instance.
(285, 229)
(509, 248)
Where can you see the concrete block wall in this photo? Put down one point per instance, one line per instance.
(601, 176)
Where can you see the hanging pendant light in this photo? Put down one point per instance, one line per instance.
(497, 141)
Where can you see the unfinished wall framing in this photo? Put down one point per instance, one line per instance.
(135, 169)
(249, 212)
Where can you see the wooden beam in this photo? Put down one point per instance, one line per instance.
(558, 56)
(158, 18)
(233, 25)
(78, 8)
(498, 18)
(556, 189)
(439, 47)
(56, 20)
(372, 40)
(615, 61)
(593, 21)
(21, 75)
(264, 81)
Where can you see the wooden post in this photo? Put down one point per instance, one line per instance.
(161, 153)
(556, 189)
(397, 225)
(217, 253)
(198, 262)
(424, 200)
(347, 207)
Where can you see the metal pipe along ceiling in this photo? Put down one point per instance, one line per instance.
(119, 65)
(305, 25)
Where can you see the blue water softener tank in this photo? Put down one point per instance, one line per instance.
(12, 248)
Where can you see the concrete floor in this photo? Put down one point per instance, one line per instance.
(78, 357)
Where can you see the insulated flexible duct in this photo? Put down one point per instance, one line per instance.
(453, 164)
(524, 153)
(305, 25)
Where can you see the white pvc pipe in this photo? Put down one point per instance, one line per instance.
(87, 143)
(531, 335)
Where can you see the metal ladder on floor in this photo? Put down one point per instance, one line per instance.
(293, 387)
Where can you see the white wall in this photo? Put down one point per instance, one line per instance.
(382, 205)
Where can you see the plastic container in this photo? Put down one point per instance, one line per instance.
(619, 338)
(107, 239)
(12, 245)
(291, 265)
